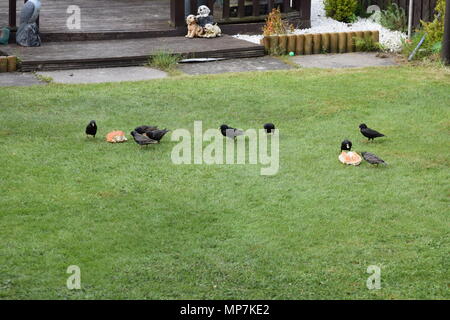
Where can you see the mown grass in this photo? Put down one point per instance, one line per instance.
(139, 226)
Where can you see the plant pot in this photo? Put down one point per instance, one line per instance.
(334, 42)
(308, 43)
(342, 42)
(317, 43)
(12, 63)
(300, 44)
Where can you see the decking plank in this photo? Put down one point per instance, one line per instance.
(104, 15)
(90, 54)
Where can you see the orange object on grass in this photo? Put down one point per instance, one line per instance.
(116, 137)
(350, 157)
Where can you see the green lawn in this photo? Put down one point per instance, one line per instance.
(139, 226)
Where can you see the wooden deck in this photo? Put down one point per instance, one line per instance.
(113, 20)
(131, 52)
(121, 33)
(101, 19)
(100, 15)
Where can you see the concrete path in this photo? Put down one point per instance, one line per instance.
(17, 79)
(103, 75)
(235, 65)
(344, 60)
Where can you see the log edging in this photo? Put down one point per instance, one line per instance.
(315, 43)
(8, 63)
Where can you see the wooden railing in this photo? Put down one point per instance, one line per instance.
(245, 11)
(12, 14)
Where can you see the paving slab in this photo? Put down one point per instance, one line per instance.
(101, 75)
(344, 60)
(17, 79)
(234, 65)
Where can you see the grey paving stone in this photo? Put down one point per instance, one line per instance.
(344, 60)
(234, 65)
(104, 75)
(17, 79)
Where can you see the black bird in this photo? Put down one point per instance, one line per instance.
(156, 134)
(91, 129)
(141, 139)
(144, 129)
(372, 159)
(346, 145)
(230, 132)
(269, 127)
(369, 133)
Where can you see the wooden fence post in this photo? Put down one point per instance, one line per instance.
(305, 13)
(446, 38)
(12, 14)
(177, 13)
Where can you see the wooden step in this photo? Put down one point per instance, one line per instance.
(131, 52)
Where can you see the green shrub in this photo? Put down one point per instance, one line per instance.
(367, 44)
(360, 11)
(164, 61)
(435, 29)
(275, 24)
(410, 45)
(437, 47)
(394, 18)
(341, 10)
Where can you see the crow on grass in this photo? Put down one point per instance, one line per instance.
(230, 132)
(156, 135)
(91, 129)
(346, 145)
(269, 127)
(141, 139)
(372, 159)
(369, 133)
(145, 129)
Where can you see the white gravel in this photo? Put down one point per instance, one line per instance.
(392, 40)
